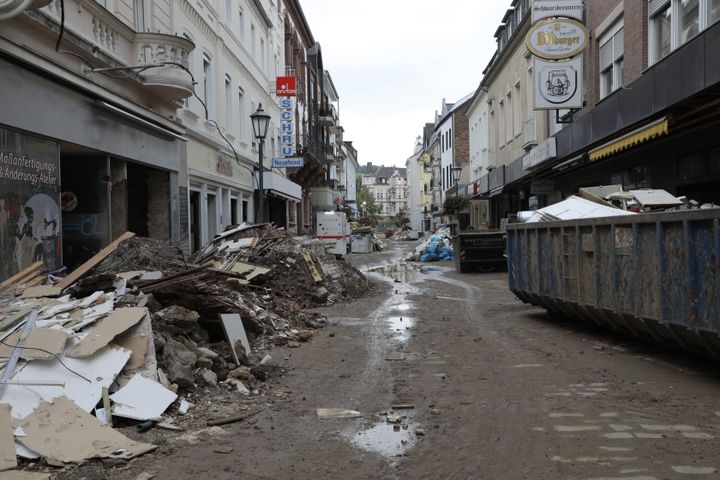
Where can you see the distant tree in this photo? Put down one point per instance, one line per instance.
(365, 196)
(453, 205)
(401, 219)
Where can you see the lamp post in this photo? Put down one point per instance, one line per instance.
(456, 177)
(260, 121)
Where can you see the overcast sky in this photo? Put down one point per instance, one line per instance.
(393, 61)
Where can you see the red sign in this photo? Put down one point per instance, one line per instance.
(286, 86)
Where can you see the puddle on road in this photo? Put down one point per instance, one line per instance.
(400, 327)
(382, 438)
(400, 272)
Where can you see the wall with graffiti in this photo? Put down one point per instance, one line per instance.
(30, 229)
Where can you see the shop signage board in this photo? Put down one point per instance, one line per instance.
(542, 9)
(286, 86)
(558, 85)
(544, 151)
(542, 187)
(292, 162)
(557, 38)
(287, 126)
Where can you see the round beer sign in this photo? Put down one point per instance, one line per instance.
(557, 38)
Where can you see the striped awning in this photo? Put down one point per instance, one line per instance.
(643, 134)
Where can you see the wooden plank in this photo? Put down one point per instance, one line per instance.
(313, 271)
(35, 267)
(79, 272)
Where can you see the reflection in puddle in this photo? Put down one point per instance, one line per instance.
(400, 327)
(383, 438)
(400, 272)
(402, 307)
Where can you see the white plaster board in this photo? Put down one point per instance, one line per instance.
(234, 329)
(142, 399)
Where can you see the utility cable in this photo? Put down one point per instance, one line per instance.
(55, 356)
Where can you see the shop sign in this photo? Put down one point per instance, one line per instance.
(544, 151)
(287, 126)
(557, 38)
(292, 162)
(558, 85)
(542, 187)
(542, 9)
(286, 86)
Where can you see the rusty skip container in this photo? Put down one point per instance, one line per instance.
(655, 276)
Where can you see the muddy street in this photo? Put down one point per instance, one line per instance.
(449, 376)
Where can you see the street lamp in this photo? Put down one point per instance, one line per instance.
(456, 174)
(260, 122)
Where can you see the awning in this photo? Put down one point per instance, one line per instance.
(496, 191)
(276, 184)
(636, 137)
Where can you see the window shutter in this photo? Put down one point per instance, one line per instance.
(656, 5)
(619, 44)
(606, 56)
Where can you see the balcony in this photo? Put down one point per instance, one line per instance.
(328, 117)
(107, 41)
(170, 80)
(329, 151)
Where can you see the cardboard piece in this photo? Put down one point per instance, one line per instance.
(142, 399)
(234, 330)
(8, 459)
(62, 432)
(105, 330)
(79, 272)
(49, 342)
(101, 369)
(41, 291)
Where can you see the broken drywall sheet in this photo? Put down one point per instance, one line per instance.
(234, 329)
(62, 432)
(8, 459)
(101, 369)
(139, 339)
(142, 399)
(106, 330)
(41, 343)
(93, 314)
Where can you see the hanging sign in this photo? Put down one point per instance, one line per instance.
(286, 86)
(287, 127)
(542, 9)
(293, 162)
(558, 85)
(557, 38)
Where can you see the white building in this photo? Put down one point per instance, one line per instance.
(415, 187)
(479, 136)
(239, 51)
(348, 173)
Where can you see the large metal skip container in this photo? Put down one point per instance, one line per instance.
(655, 276)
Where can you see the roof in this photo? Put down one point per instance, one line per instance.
(381, 171)
(456, 106)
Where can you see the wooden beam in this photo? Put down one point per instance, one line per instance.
(31, 270)
(79, 272)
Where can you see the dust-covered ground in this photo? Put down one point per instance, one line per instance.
(499, 390)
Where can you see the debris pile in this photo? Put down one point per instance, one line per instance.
(437, 247)
(140, 325)
(364, 239)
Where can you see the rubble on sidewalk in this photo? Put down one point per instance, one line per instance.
(367, 233)
(142, 329)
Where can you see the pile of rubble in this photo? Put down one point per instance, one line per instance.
(361, 234)
(141, 325)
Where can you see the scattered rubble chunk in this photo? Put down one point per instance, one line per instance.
(332, 413)
(178, 362)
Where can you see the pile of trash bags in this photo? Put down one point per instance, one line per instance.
(436, 248)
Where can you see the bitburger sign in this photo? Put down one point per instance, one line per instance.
(557, 38)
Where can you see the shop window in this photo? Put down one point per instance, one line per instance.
(612, 50)
(244, 210)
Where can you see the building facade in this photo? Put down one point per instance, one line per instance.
(388, 187)
(90, 144)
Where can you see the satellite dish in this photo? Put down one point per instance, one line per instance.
(13, 8)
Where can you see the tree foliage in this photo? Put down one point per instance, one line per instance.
(455, 204)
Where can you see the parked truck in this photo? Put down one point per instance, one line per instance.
(655, 276)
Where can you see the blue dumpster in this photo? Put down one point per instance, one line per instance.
(655, 276)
